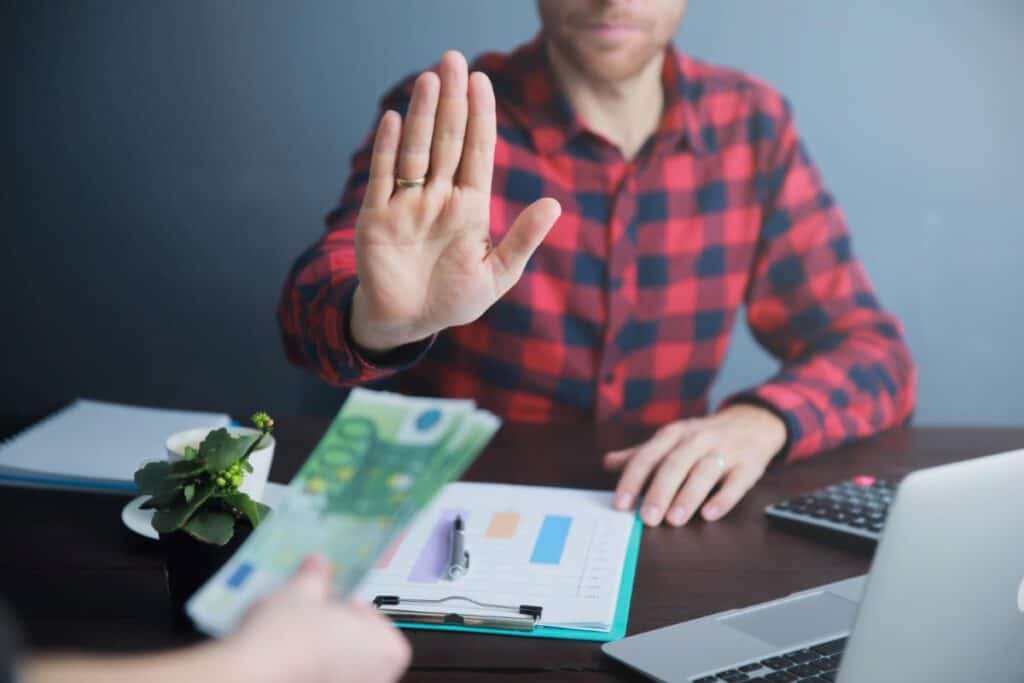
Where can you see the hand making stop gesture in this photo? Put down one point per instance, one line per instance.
(423, 250)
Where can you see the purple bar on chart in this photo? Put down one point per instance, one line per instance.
(550, 544)
(432, 563)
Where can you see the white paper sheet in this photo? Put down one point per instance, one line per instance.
(562, 549)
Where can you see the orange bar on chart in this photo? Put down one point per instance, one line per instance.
(503, 525)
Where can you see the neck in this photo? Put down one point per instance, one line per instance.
(625, 112)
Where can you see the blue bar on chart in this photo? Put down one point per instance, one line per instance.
(554, 532)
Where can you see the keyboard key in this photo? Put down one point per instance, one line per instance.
(780, 677)
(775, 663)
(706, 679)
(747, 668)
(735, 677)
(802, 670)
(831, 647)
(800, 656)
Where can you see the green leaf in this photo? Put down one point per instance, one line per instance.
(151, 478)
(264, 510)
(189, 491)
(254, 511)
(219, 449)
(183, 469)
(174, 517)
(161, 500)
(190, 453)
(211, 526)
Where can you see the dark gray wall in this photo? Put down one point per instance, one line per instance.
(164, 162)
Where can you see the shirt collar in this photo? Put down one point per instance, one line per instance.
(527, 83)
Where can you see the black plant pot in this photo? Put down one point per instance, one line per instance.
(188, 563)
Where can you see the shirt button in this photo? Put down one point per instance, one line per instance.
(609, 378)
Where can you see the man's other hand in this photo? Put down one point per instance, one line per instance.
(684, 461)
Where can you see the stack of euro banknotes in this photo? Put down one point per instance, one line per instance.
(380, 462)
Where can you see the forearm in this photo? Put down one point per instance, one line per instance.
(209, 662)
(314, 317)
(850, 389)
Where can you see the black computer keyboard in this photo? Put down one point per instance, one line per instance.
(857, 507)
(815, 664)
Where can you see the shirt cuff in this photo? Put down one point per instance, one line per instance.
(802, 419)
(372, 365)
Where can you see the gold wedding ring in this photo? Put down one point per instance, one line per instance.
(403, 183)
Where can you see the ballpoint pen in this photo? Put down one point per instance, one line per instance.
(458, 558)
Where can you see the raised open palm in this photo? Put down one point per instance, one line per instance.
(423, 252)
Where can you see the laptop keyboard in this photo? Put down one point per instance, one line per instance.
(815, 664)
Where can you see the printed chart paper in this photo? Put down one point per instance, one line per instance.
(561, 549)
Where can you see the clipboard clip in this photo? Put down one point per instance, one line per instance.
(502, 617)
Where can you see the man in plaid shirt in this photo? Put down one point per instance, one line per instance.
(567, 234)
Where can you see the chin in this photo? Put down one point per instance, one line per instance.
(615, 64)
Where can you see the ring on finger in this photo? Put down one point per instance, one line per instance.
(403, 183)
(717, 459)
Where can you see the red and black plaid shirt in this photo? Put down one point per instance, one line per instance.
(626, 309)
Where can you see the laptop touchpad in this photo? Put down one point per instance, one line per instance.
(796, 621)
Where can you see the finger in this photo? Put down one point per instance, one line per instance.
(616, 460)
(666, 482)
(418, 128)
(477, 165)
(737, 483)
(663, 440)
(450, 126)
(703, 476)
(311, 581)
(382, 161)
(642, 463)
(509, 258)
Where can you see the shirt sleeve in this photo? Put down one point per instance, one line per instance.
(316, 300)
(846, 372)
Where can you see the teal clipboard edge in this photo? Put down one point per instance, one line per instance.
(619, 622)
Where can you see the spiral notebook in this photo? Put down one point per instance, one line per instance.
(94, 446)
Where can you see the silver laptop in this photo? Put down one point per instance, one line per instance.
(944, 600)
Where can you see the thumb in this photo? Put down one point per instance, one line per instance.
(311, 581)
(527, 232)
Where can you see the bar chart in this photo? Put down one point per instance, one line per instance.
(558, 548)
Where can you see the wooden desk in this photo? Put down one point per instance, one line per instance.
(78, 579)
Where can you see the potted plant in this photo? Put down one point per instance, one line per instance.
(200, 514)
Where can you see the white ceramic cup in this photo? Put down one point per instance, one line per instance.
(254, 481)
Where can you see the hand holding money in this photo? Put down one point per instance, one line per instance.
(380, 462)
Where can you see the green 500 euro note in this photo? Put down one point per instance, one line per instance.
(381, 461)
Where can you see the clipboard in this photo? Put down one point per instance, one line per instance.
(518, 620)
